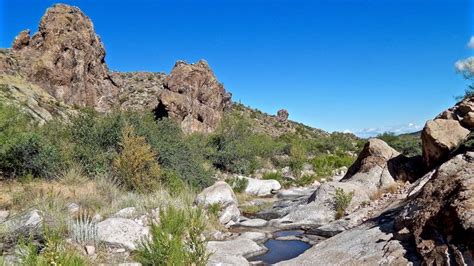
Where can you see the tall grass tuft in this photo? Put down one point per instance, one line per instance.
(177, 240)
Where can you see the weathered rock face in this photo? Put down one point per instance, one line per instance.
(138, 90)
(440, 137)
(282, 115)
(66, 58)
(441, 215)
(374, 168)
(193, 97)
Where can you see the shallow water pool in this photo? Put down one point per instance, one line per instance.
(280, 250)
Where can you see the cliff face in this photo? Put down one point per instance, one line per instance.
(66, 59)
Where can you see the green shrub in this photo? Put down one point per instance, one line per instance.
(53, 252)
(325, 164)
(172, 182)
(237, 184)
(342, 201)
(176, 240)
(22, 150)
(235, 148)
(29, 153)
(175, 152)
(278, 176)
(298, 157)
(307, 180)
(136, 166)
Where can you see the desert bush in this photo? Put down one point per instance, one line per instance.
(22, 150)
(172, 182)
(136, 166)
(325, 164)
(278, 176)
(176, 240)
(235, 148)
(307, 180)
(298, 157)
(53, 251)
(237, 184)
(29, 153)
(342, 201)
(175, 153)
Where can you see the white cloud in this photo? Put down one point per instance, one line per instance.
(347, 131)
(470, 44)
(465, 66)
(396, 129)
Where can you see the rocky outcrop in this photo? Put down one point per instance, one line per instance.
(282, 115)
(222, 194)
(67, 59)
(441, 216)
(193, 97)
(138, 90)
(440, 137)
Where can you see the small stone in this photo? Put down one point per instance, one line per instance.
(120, 250)
(4, 215)
(72, 208)
(90, 250)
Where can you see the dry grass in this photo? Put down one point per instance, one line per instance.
(392, 189)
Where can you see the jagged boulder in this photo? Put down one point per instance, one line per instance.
(193, 96)
(67, 59)
(440, 137)
(441, 215)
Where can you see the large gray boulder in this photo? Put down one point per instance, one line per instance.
(233, 252)
(371, 169)
(320, 208)
(440, 137)
(258, 187)
(363, 245)
(121, 232)
(220, 193)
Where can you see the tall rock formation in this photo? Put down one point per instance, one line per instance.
(67, 59)
(193, 96)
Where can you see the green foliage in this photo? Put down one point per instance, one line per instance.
(214, 209)
(22, 150)
(175, 152)
(278, 176)
(298, 157)
(174, 184)
(53, 252)
(176, 240)
(236, 148)
(409, 145)
(136, 166)
(237, 184)
(324, 165)
(96, 140)
(307, 180)
(342, 201)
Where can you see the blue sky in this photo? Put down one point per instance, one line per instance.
(358, 65)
